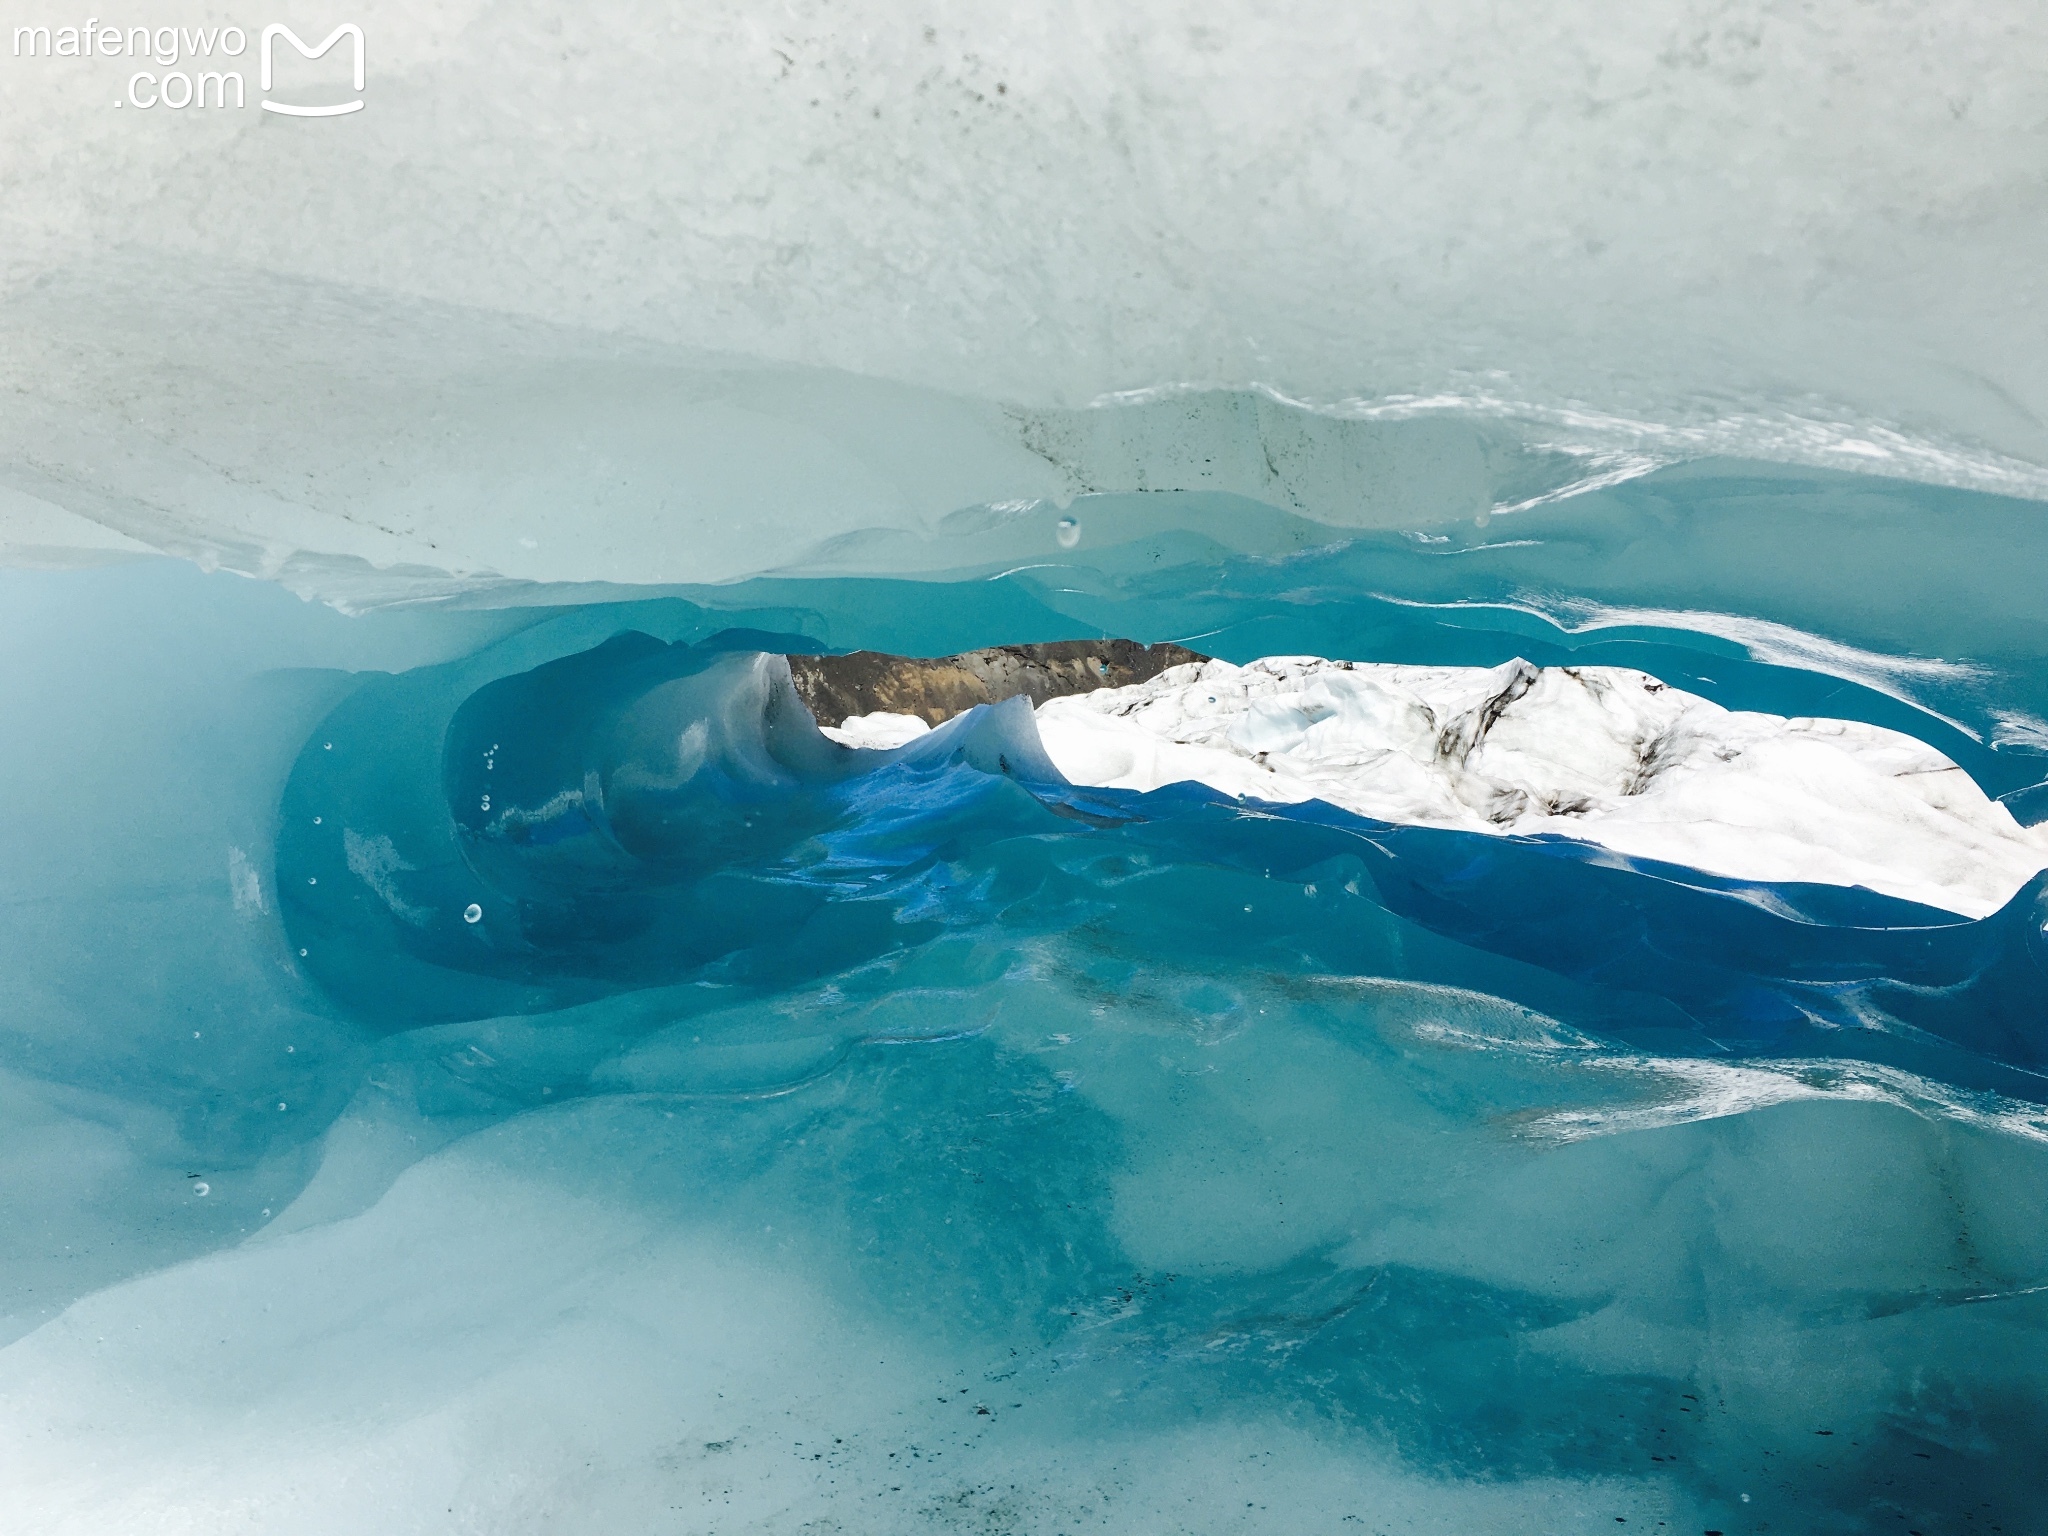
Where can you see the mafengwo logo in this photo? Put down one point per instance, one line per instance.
(187, 66)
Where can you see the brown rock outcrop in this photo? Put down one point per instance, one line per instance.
(938, 688)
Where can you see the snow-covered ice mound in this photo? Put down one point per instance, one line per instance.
(1602, 754)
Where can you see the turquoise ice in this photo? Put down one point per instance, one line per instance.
(498, 1067)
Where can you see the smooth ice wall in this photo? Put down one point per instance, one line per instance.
(1523, 249)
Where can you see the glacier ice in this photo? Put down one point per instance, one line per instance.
(712, 1124)
(1597, 754)
(1600, 753)
(861, 265)
(478, 1054)
(789, 1104)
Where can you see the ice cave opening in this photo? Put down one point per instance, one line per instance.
(898, 769)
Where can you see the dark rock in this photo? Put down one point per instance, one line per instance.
(938, 688)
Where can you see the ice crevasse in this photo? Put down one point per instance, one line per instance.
(574, 1046)
(1546, 1031)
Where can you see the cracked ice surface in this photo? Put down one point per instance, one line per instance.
(1604, 754)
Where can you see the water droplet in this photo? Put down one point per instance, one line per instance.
(1481, 519)
(312, 879)
(195, 1034)
(289, 1049)
(202, 1189)
(266, 1210)
(282, 1106)
(316, 821)
(302, 954)
(1068, 532)
(327, 747)
(487, 802)
(472, 913)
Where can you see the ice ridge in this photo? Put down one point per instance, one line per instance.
(1604, 754)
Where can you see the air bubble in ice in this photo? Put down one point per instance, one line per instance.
(472, 913)
(1068, 532)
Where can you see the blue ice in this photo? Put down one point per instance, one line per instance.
(501, 1067)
